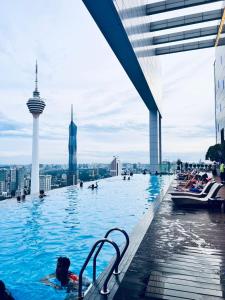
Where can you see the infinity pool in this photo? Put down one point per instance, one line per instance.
(67, 223)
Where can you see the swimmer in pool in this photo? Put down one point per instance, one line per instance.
(63, 278)
(4, 293)
(92, 186)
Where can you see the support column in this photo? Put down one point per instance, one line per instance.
(155, 141)
(35, 157)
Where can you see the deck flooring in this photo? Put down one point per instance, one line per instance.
(182, 256)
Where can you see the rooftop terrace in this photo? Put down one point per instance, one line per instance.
(182, 256)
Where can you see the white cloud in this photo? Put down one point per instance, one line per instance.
(77, 66)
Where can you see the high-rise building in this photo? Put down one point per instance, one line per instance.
(3, 180)
(219, 79)
(115, 167)
(2, 187)
(36, 106)
(12, 185)
(3, 174)
(72, 147)
(45, 182)
(20, 174)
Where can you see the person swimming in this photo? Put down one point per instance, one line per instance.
(4, 293)
(63, 278)
(92, 186)
(62, 271)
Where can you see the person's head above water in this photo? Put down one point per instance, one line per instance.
(62, 270)
(4, 294)
(2, 287)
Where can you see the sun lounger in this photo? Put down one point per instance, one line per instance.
(191, 201)
(203, 193)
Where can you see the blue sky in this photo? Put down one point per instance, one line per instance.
(77, 66)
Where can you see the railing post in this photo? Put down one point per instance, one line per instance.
(104, 290)
(116, 271)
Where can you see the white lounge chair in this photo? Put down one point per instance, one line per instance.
(194, 201)
(203, 193)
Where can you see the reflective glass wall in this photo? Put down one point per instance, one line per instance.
(220, 93)
(136, 24)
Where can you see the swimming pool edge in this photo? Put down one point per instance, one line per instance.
(136, 237)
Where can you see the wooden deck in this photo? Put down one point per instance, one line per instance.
(178, 255)
(182, 256)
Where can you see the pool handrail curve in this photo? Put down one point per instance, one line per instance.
(104, 290)
(116, 271)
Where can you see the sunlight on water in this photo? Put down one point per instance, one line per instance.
(67, 222)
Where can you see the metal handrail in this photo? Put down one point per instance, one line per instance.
(116, 271)
(104, 290)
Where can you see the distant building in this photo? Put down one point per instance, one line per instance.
(72, 147)
(219, 79)
(115, 167)
(36, 107)
(45, 182)
(12, 182)
(3, 180)
(64, 179)
(87, 174)
(2, 187)
(3, 174)
(20, 174)
(27, 182)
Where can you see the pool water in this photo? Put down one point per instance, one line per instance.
(67, 223)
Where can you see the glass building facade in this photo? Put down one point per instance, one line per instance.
(136, 23)
(219, 69)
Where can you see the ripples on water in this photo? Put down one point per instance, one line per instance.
(67, 222)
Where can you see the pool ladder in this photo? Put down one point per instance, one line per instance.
(115, 266)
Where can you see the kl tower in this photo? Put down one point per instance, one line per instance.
(36, 106)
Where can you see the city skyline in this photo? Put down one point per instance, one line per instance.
(110, 114)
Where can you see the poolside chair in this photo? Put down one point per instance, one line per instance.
(191, 201)
(203, 193)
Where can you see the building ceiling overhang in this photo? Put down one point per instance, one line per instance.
(155, 28)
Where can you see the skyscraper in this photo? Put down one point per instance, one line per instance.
(45, 182)
(115, 167)
(36, 106)
(72, 147)
(20, 174)
(3, 180)
(12, 184)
